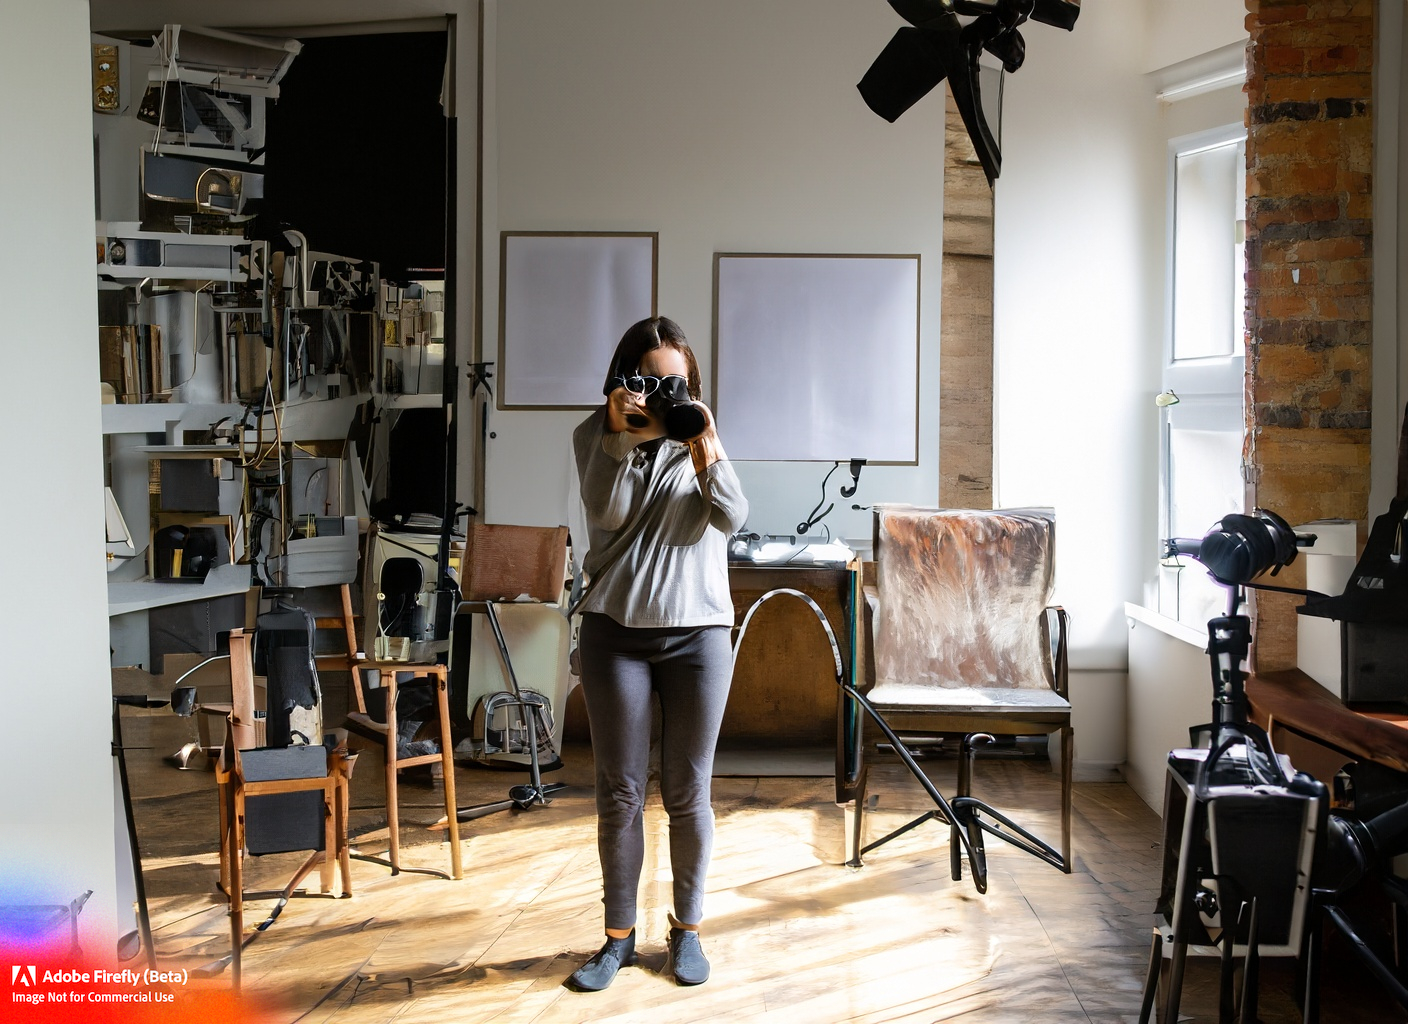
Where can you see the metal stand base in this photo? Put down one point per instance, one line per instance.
(963, 814)
(521, 797)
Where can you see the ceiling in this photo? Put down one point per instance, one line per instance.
(143, 17)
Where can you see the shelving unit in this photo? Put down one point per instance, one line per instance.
(260, 350)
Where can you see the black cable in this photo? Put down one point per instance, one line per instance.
(812, 517)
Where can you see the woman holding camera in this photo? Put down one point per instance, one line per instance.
(661, 500)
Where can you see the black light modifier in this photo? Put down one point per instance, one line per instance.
(940, 46)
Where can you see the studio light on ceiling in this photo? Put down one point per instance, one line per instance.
(945, 40)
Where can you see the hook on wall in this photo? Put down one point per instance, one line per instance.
(856, 466)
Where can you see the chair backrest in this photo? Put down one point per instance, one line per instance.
(963, 596)
(506, 562)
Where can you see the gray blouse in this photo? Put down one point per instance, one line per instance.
(658, 531)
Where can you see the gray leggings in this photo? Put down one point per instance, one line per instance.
(690, 669)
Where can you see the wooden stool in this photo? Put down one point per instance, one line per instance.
(365, 725)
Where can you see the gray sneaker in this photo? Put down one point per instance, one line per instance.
(687, 960)
(598, 972)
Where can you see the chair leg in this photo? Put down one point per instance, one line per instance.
(393, 817)
(236, 889)
(964, 788)
(1151, 981)
(447, 760)
(1068, 750)
(329, 863)
(223, 795)
(344, 855)
(857, 829)
(1175, 980)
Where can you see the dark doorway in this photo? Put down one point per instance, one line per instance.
(356, 150)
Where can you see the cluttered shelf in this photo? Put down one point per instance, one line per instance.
(126, 596)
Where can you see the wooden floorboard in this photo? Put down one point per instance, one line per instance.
(793, 935)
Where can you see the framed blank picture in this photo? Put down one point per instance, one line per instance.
(565, 299)
(816, 357)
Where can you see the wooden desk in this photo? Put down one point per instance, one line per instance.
(784, 681)
(1319, 734)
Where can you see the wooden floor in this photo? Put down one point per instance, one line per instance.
(793, 935)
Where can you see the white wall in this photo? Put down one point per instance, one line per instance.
(727, 126)
(56, 801)
(1079, 218)
(1183, 29)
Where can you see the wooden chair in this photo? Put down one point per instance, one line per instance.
(384, 733)
(246, 773)
(962, 641)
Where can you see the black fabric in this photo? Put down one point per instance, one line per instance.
(283, 654)
(282, 822)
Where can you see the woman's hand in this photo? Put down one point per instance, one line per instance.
(706, 449)
(626, 412)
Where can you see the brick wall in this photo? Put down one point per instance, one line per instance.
(1309, 272)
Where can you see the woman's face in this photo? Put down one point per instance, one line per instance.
(664, 361)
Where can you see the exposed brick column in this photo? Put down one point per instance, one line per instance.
(1309, 272)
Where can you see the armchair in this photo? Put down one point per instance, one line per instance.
(963, 642)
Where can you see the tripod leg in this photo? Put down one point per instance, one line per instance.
(1250, 969)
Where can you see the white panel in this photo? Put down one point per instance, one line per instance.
(636, 115)
(567, 301)
(789, 385)
(1169, 691)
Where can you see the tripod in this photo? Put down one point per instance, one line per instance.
(1241, 831)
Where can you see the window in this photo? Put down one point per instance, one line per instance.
(1209, 261)
(1201, 435)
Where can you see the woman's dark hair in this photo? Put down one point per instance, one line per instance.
(647, 335)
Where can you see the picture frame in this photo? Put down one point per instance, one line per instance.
(816, 356)
(565, 299)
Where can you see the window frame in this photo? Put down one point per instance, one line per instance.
(1211, 389)
(1212, 374)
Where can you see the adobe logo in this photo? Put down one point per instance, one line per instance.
(25, 976)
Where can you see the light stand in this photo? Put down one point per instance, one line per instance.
(530, 706)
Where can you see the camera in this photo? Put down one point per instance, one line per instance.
(668, 399)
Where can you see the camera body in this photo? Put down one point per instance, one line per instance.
(683, 418)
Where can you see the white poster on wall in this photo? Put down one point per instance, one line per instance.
(817, 357)
(565, 300)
